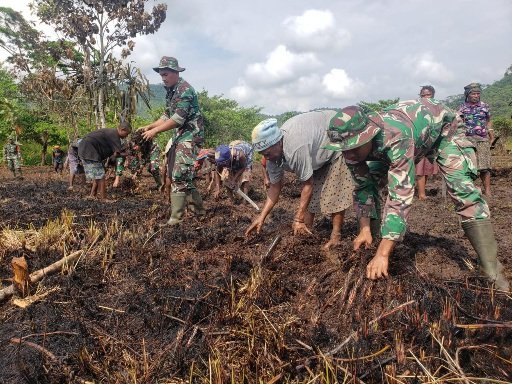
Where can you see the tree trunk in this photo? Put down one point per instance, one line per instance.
(38, 275)
(44, 144)
(101, 110)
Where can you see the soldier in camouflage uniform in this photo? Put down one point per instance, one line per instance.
(385, 146)
(183, 116)
(12, 156)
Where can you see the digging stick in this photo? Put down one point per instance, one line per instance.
(273, 246)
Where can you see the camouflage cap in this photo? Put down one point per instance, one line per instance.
(473, 87)
(167, 62)
(350, 128)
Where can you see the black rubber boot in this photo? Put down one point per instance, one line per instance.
(481, 236)
(178, 205)
(195, 203)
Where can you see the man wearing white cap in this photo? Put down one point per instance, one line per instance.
(297, 147)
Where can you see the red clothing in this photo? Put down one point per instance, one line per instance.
(426, 168)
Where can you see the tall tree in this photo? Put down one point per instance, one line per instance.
(99, 26)
(19, 39)
(8, 102)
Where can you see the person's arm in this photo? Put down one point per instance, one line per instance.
(238, 174)
(217, 181)
(298, 226)
(401, 176)
(272, 198)
(162, 127)
(152, 125)
(490, 131)
(401, 180)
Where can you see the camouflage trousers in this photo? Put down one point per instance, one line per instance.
(457, 161)
(183, 173)
(13, 163)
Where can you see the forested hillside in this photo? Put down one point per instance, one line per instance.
(498, 95)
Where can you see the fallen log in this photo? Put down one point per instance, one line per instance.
(39, 274)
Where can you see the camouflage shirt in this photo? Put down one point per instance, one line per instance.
(182, 106)
(410, 130)
(11, 151)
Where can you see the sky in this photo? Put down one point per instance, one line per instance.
(298, 55)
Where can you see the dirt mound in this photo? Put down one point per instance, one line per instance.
(200, 302)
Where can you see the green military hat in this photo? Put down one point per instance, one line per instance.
(473, 87)
(350, 128)
(167, 62)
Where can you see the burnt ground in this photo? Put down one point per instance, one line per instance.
(201, 303)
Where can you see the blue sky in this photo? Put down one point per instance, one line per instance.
(299, 55)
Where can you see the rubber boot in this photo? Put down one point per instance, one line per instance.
(481, 236)
(158, 179)
(178, 205)
(195, 203)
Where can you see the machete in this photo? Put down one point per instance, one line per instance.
(247, 198)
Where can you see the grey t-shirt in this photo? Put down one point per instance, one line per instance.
(99, 145)
(304, 136)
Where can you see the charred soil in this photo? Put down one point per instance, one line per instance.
(201, 303)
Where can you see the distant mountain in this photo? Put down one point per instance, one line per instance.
(498, 95)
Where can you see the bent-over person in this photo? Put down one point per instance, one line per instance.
(297, 147)
(394, 140)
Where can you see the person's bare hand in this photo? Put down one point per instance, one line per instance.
(333, 242)
(300, 228)
(149, 134)
(377, 267)
(364, 238)
(255, 226)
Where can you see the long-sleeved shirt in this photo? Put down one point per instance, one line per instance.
(411, 130)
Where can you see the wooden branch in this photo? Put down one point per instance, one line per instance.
(46, 352)
(38, 275)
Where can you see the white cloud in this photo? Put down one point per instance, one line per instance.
(315, 31)
(339, 85)
(241, 92)
(232, 52)
(281, 66)
(424, 66)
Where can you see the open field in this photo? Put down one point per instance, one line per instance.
(200, 303)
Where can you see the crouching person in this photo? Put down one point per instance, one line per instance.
(234, 166)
